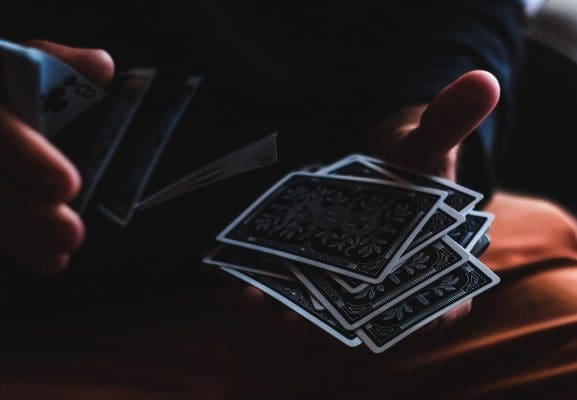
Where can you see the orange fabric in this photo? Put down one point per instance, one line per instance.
(520, 340)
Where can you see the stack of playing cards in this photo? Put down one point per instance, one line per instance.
(116, 138)
(366, 250)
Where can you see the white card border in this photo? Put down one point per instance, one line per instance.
(305, 314)
(223, 239)
(465, 256)
(379, 349)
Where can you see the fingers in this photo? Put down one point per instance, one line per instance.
(96, 64)
(31, 165)
(456, 112)
(452, 316)
(39, 235)
(38, 229)
(455, 315)
(257, 302)
(36, 180)
(449, 318)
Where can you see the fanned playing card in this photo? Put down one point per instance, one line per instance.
(148, 136)
(293, 295)
(353, 310)
(91, 143)
(45, 92)
(459, 197)
(247, 260)
(353, 226)
(443, 220)
(446, 293)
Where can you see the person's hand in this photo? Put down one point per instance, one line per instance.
(38, 228)
(426, 138)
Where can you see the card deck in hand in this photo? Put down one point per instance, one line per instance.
(443, 220)
(45, 92)
(355, 165)
(459, 197)
(137, 157)
(382, 285)
(293, 295)
(472, 230)
(352, 226)
(247, 260)
(92, 144)
(427, 304)
(353, 310)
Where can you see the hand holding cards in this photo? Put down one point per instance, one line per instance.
(373, 243)
(90, 156)
(45, 92)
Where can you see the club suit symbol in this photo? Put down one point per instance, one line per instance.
(55, 101)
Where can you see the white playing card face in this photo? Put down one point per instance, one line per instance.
(66, 93)
(290, 297)
(44, 91)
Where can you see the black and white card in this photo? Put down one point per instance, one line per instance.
(259, 154)
(469, 233)
(352, 310)
(460, 198)
(293, 295)
(138, 155)
(248, 260)
(429, 303)
(92, 146)
(44, 91)
(353, 226)
(441, 222)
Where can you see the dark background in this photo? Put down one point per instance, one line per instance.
(159, 252)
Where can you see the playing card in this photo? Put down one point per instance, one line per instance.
(252, 261)
(469, 233)
(459, 197)
(293, 295)
(252, 157)
(145, 141)
(434, 300)
(355, 165)
(481, 246)
(318, 306)
(44, 91)
(351, 285)
(92, 145)
(248, 260)
(352, 226)
(443, 220)
(352, 310)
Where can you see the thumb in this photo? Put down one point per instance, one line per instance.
(96, 64)
(455, 112)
